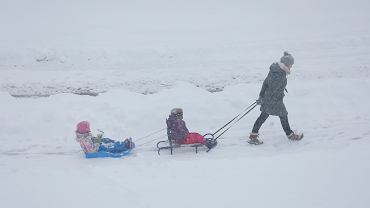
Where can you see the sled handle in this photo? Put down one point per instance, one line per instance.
(159, 143)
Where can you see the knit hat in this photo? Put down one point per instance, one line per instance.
(83, 127)
(176, 111)
(287, 59)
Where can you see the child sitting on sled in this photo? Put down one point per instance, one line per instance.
(91, 144)
(179, 133)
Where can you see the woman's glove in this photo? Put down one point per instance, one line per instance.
(259, 101)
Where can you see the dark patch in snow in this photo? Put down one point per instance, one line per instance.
(356, 138)
(85, 91)
(148, 92)
(42, 59)
(29, 95)
(89, 93)
(216, 89)
(94, 94)
(36, 95)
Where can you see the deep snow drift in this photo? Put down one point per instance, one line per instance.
(140, 58)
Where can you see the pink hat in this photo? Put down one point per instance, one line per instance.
(83, 127)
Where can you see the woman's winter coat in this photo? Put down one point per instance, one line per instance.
(272, 92)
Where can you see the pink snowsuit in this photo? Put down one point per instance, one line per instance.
(86, 143)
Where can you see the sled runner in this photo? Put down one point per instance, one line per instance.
(171, 144)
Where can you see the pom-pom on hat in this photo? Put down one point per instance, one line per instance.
(287, 59)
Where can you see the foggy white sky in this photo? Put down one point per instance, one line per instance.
(81, 24)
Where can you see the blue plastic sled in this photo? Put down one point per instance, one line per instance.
(111, 148)
(107, 154)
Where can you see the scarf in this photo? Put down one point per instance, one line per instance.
(284, 68)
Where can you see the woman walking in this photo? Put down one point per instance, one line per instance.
(271, 99)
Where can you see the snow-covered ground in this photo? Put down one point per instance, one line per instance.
(139, 59)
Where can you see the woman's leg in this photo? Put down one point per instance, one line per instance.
(260, 120)
(285, 123)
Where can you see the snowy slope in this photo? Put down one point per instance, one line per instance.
(141, 58)
(43, 166)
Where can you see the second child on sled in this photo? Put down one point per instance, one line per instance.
(179, 133)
